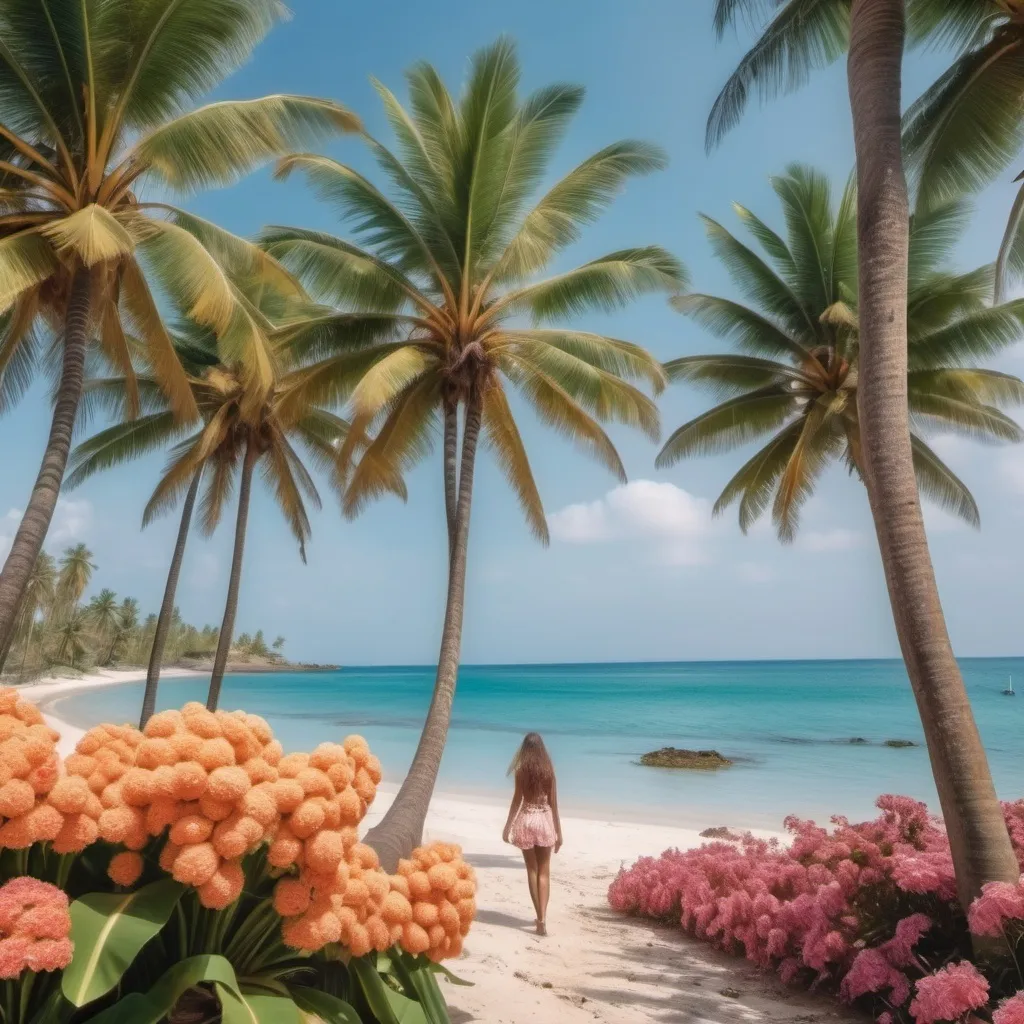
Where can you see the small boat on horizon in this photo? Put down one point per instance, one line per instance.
(1009, 691)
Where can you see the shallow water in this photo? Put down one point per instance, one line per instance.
(788, 724)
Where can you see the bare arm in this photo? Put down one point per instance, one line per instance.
(517, 799)
(553, 797)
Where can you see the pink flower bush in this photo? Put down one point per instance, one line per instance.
(949, 995)
(34, 928)
(847, 907)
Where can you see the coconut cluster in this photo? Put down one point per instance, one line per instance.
(441, 887)
(36, 804)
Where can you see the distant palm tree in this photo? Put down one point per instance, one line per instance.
(443, 296)
(969, 126)
(103, 613)
(95, 106)
(72, 636)
(233, 440)
(37, 600)
(76, 569)
(126, 627)
(796, 382)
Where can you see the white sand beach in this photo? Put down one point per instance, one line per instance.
(594, 965)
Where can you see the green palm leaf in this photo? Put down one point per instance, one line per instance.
(217, 144)
(726, 375)
(937, 481)
(750, 331)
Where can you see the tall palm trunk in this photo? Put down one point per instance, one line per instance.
(227, 626)
(977, 832)
(401, 828)
(163, 623)
(35, 523)
(451, 454)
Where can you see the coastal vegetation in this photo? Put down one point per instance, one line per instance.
(211, 877)
(675, 757)
(868, 911)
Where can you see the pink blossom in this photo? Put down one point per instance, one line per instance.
(999, 902)
(1011, 1011)
(949, 994)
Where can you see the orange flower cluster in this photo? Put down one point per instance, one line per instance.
(35, 804)
(34, 928)
(204, 776)
(442, 889)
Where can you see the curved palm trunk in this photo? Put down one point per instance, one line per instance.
(227, 626)
(163, 623)
(977, 832)
(401, 828)
(35, 523)
(451, 454)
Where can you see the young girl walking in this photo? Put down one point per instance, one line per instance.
(533, 824)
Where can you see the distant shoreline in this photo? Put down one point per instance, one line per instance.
(245, 667)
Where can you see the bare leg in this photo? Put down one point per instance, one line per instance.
(543, 855)
(530, 856)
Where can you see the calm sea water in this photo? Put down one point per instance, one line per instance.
(788, 725)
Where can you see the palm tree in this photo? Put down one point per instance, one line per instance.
(798, 384)
(434, 306)
(232, 441)
(803, 34)
(969, 126)
(76, 569)
(94, 101)
(103, 613)
(126, 627)
(72, 637)
(38, 599)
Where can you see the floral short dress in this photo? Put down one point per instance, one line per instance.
(533, 825)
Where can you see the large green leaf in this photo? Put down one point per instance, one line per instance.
(420, 983)
(256, 1006)
(152, 1006)
(387, 1005)
(108, 930)
(323, 1008)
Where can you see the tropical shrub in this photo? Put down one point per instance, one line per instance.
(198, 843)
(866, 910)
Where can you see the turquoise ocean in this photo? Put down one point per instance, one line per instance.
(788, 725)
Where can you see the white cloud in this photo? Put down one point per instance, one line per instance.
(836, 539)
(71, 521)
(644, 510)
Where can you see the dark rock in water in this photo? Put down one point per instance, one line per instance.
(721, 832)
(673, 757)
(857, 739)
(899, 744)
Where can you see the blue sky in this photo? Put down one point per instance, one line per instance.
(635, 574)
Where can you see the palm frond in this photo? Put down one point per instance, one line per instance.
(119, 444)
(966, 417)
(746, 328)
(219, 480)
(727, 375)
(92, 234)
(934, 231)
(730, 424)
(1010, 262)
(576, 200)
(803, 35)
(219, 143)
(26, 260)
(603, 284)
(967, 127)
(341, 273)
(556, 408)
(19, 349)
(503, 438)
(935, 480)
(969, 338)
(406, 437)
(279, 473)
(987, 387)
(806, 197)
(945, 298)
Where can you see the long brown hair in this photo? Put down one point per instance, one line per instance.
(532, 767)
